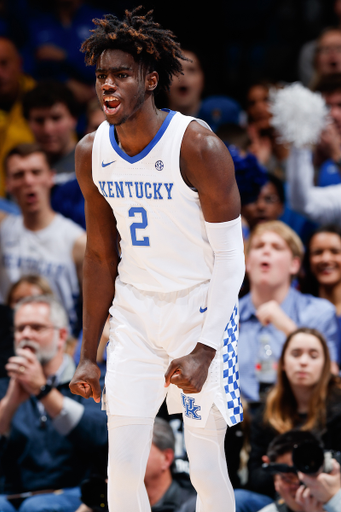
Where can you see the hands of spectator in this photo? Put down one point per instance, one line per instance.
(16, 394)
(324, 486)
(307, 501)
(50, 52)
(271, 313)
(26, 370)
(330, 142)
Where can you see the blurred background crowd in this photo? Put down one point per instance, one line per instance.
(53, 444)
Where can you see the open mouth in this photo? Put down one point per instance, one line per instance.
(111, 104)
(31, 197)
(265, 265)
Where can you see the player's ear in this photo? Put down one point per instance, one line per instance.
(152, 79)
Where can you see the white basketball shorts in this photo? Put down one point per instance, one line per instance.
(147, 331)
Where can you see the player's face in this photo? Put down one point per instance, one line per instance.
(325, 258)
(53, 128)
(120, 86)
(29, 179)
(270, 261)
(304, 360)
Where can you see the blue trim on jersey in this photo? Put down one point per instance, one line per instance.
(149, 147)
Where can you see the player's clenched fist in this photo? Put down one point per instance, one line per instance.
(190, 372)
(85, 381)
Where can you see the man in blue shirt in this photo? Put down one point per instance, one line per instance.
(274, 308)
(50, 439)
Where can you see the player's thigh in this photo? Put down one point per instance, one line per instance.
(135, 364)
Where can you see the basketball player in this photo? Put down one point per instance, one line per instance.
(165, 184)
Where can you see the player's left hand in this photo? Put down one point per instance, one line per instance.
(190, 372)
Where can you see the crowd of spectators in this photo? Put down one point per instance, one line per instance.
(53, 445)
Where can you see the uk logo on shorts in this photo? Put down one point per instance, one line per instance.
(191, 410)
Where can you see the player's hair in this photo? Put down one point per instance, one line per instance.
(163, 436)
(58, 314)
(281, 406)
(155, 48)
(280, 228)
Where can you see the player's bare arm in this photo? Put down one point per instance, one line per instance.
(99, 272)
(207, 166)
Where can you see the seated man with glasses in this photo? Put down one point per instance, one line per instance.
(43, 457)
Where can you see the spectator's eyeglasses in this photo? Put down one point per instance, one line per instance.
(37, 328)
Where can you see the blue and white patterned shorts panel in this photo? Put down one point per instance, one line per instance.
(231, 369)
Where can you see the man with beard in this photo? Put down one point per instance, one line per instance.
(42, 425)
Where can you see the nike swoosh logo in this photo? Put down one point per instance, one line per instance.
(202, 310)
(109, 163)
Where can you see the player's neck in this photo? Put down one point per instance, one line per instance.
(137, 132)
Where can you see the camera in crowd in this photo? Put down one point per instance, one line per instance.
(308, 457)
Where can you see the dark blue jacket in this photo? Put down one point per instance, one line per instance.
(35, 456)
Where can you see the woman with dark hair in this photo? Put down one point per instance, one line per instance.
(322, 268)
(306, 396)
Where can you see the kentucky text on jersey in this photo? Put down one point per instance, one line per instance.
(136, 189)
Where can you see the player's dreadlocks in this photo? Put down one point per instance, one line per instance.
(152, 46)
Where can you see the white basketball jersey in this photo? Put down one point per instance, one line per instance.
(163, 237)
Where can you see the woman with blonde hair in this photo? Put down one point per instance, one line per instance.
(306, 396)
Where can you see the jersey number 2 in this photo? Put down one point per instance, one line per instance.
(138, 225)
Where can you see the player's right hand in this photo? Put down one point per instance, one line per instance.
(85, 381)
